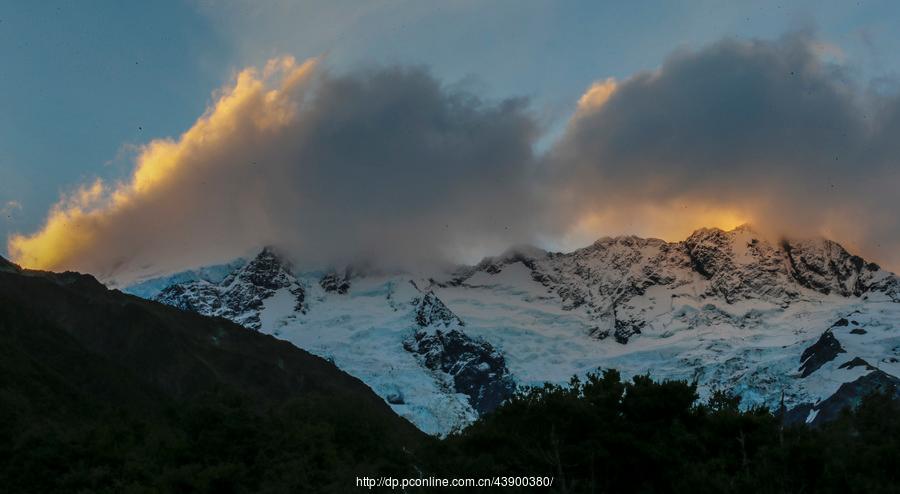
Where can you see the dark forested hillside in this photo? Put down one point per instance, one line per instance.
(608, 435)
(102, 391)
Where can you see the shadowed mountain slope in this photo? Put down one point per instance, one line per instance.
(78, 358)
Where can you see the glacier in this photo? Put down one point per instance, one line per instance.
(729, 310)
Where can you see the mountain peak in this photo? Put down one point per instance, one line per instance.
(726, 238)
(744, 227)
(241, 294)
(520, 252)
(268, 269)
(626, 240)
(270, 253)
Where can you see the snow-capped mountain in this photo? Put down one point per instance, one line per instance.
(799, 323)
(241, 295)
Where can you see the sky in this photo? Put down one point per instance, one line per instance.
(145, 137)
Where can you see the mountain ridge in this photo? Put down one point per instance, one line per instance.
(179, 353)
(716, 307)
(106, 392)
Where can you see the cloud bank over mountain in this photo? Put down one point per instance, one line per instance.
(388, 164)
(383, 163)
(761, 131)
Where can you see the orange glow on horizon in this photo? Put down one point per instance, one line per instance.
(670, 222)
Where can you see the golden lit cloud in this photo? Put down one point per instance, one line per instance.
(256, 105)
(672, 221)
(67, 229)
(376, 163)
(389, 164)
(766, 132)
(596, 95)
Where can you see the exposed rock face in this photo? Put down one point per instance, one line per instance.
(335, 283)
(474, 366)
(430, 311)
(848, 395)
(466, 365)
(725, 266)
(738, 265)
(241, 295)
(886, 284)
(856, 362)
(602, 279)
(821, 352)
(626, 329)
(196, 297)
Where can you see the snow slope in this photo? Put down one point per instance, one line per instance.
(727, 309)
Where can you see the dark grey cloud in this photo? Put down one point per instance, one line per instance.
(765, 130)
(392, 166)
(383, 164)
(391, 163)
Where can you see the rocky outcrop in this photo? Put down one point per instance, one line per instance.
(849, 395)
(739, 265)
(856, 362)
(887, 284)
(430, 311)
(242, 294)
(200, 297)
(821, 352)
(472, 365)
(824, 266)
(726, 267)
(626, 329)
(332, 282)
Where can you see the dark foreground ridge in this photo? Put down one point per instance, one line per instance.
(102, 391)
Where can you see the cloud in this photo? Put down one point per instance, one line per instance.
(389, 165)
(384, 164)
(595, 96)
(767, 132)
